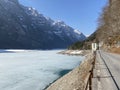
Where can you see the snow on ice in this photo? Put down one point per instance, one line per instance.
(32, 69)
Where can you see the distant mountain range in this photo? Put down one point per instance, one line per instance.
(24, 28)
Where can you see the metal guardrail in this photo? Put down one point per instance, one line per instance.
(89, 81)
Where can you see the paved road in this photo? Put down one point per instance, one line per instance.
(103, 80)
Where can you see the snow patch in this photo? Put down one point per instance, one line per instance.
(77, 31)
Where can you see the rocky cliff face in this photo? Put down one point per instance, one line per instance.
(23, 27)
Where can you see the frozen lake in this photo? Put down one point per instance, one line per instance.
(33, 69)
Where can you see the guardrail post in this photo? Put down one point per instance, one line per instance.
(89, 82)
(91, 72)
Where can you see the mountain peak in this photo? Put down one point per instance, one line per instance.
(24, 28)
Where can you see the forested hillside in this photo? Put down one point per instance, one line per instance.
(108, 31)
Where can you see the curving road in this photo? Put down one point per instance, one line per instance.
(107, 71)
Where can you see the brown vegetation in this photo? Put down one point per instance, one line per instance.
(109, 23)
(108, 31)
(115, 50)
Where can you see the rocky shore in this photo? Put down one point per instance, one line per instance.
(76, 79)
(75, 52)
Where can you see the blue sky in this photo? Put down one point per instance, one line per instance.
(79, 14)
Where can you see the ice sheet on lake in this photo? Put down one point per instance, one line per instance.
(33, 70)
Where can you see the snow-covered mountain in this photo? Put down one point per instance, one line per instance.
(24, 27)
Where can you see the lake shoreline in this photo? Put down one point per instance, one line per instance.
(75, 52)
(33, 69)
(75, 79)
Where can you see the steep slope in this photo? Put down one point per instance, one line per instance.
(23, 27)
(109, 24)
(108, 31)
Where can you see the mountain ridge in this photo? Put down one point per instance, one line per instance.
(24, 28)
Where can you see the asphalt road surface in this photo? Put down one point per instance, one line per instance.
(106, 72)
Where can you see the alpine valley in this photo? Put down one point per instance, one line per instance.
(23, 27)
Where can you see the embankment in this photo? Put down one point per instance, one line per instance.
(76, 79)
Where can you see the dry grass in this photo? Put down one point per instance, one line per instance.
(115, 50)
